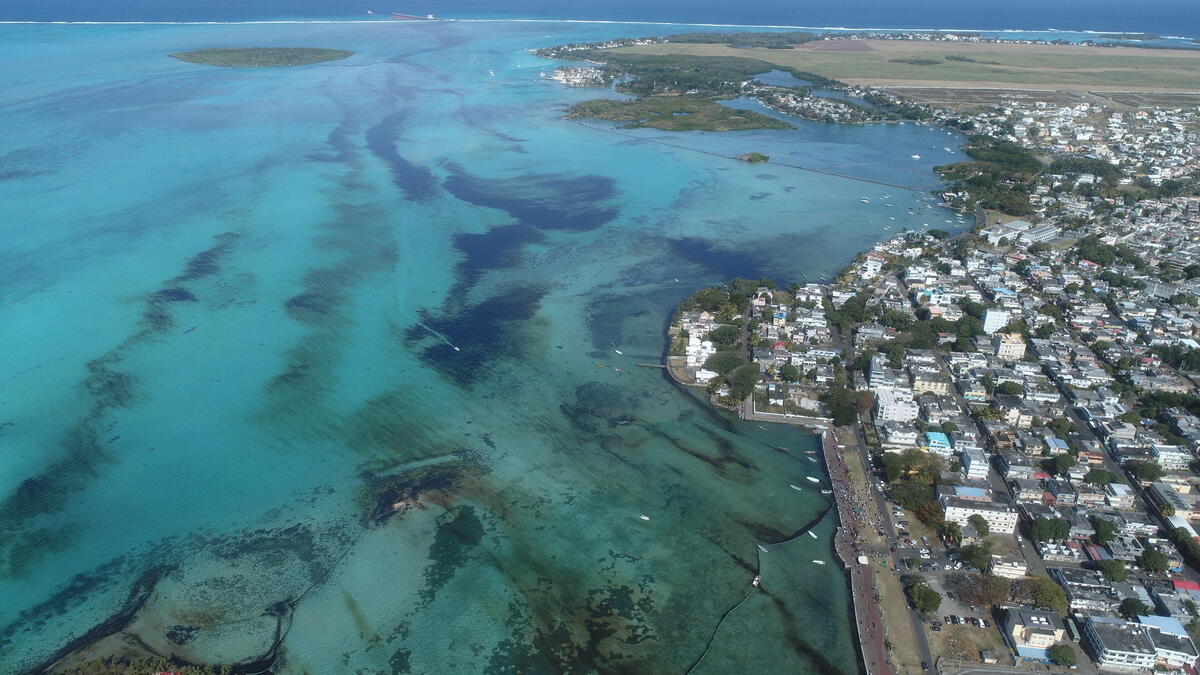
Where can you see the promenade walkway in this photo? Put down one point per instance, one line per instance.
(867, 614)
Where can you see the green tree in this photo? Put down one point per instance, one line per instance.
(1100, 477)
(841, 405)
(924, 599)
(1113, 570)
(724, 337)
(724, 362)
(1049, 529)
(1063, 464)
(1132, 608)
(979, 523)
(949, 427)
(1106, 530)
(789, 373)
(1153, 561)
(1061, 426)
(978, 556)
(1062, 655)
(951, 532)
(1147, 472)
(742, 380)
(1047, 594)
(1010, 388)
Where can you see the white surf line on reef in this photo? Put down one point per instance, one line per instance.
(385, 21)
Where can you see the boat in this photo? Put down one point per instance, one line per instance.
(916, 157)
(812, 534)
(618, 370)
(794, 486)
(644, 517)
(812, 459)
(865, 200)
(411, 17)
(818, 562)
(812, 480)
(810, 452)
(826, 492)
(757, 580)
(619, 352)
(762, 548)
(457, 349)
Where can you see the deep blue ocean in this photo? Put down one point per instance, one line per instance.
(1164, 17)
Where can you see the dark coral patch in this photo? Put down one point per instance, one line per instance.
(483, 333)
(416, 181)
(546, 202)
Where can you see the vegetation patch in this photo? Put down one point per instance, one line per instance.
(261, 57)
(676, 113)
(917, 62)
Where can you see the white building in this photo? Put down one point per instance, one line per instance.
(1001, 518)
(895, 405)
(1009, 568)
(1009, 346)
(1171, 458)
(974, 464)
(994, 320)
(1118, 644)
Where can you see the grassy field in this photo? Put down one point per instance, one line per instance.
(938, 64)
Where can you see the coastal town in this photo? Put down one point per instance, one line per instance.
(1015, 404)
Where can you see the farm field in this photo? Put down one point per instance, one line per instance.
(898, 63)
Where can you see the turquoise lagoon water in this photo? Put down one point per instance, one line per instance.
(234, 421)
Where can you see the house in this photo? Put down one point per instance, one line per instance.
(1031, 632)
(938, 443)
(1009, 568)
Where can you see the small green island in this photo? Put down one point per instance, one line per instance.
(754, 157)
(675, 113)
(261, 57)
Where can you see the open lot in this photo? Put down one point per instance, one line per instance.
(985, 65)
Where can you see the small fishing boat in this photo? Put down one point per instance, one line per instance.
(812, 534)
(812, 459)
(762, 548)
(818, 562)
(826, 492)
(644, 517)
(457, 349)
(618, 370)
(916, 157)
(619, 352)
(810, 452)
(794, 486)
(865, 200)
(812, 480)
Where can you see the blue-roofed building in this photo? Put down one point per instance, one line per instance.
(1057, 446)
(938, 443)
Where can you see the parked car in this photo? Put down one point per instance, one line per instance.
(925, 556)
(936, 629)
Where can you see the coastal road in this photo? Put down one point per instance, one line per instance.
(915, 621)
